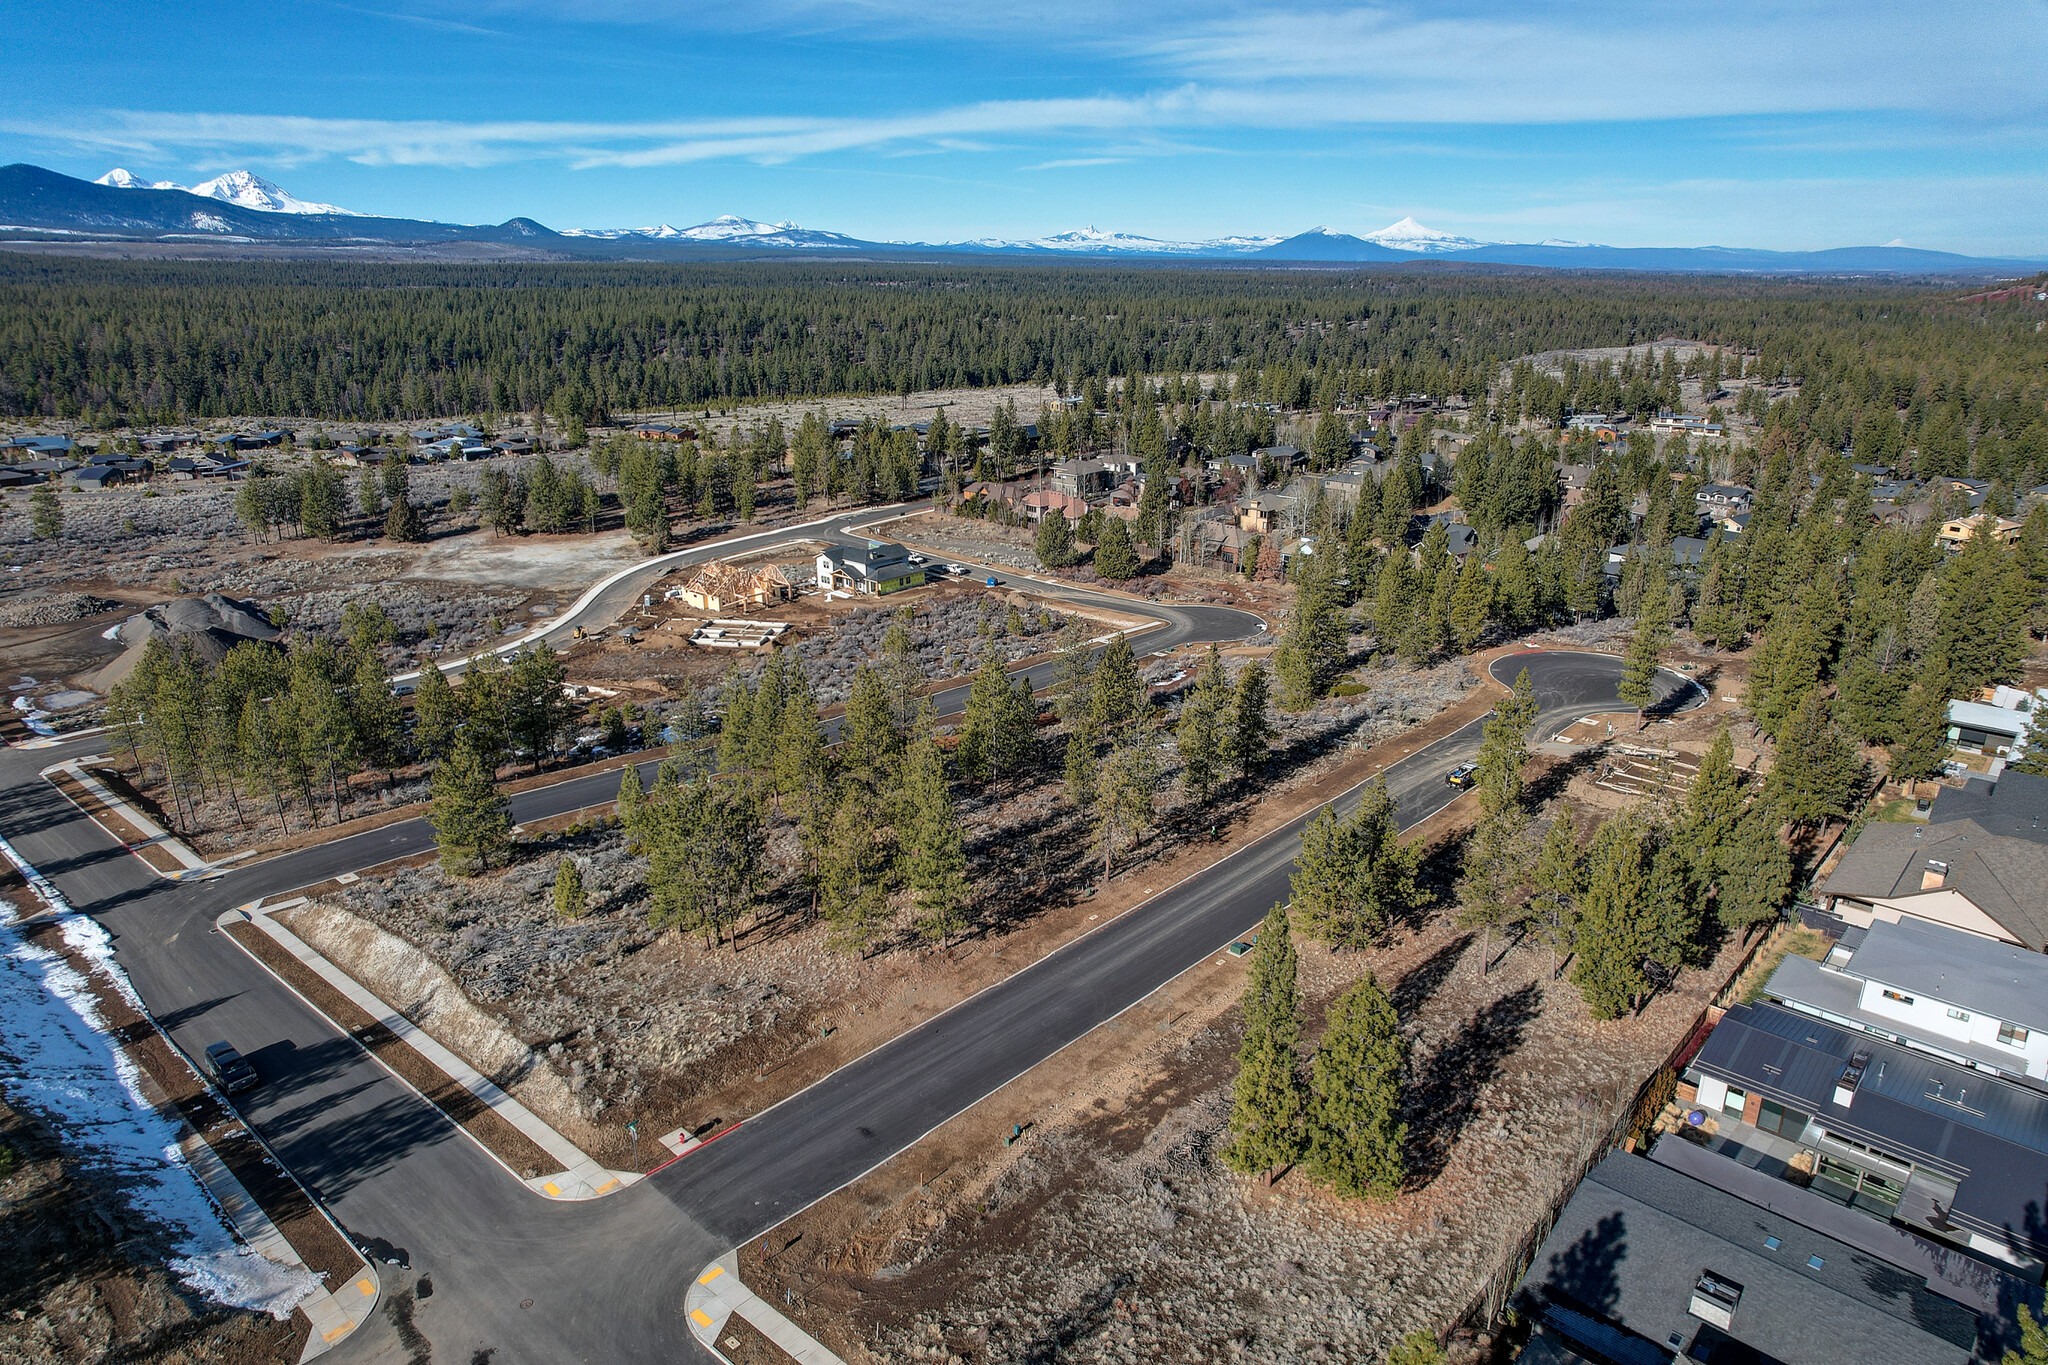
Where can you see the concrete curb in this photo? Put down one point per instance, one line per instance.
(717, 1294)
(333, 1313)
(193, 866)
(581, 1178)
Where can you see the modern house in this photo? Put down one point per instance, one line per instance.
(876, 567)
(1720, 499)
(1998, 724)
(36, 448)
(1948, 1151)
(1085, 478)
(661, 431)
(1955, 533)
(1978, 864)
(1647, 1263)
(1259, 515)
(1972, 1000)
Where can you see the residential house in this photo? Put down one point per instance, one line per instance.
(661, 431)
(1723, 499)
(1685, 426)
(728, 587)
(1039, 503)
(1872, 471)
(35, 448)
(261, 440)
(1978, 1002)
(877, 567)
(428, 435)
(1260, 514)
(457, 448)
(1954, 533)
(1646, 1263)
(1954, 1154)
(11, 477)
(1994, 724)
(1976, 490)
(1215, 542)
(986, 493)
(94, 478)
(1285, 459)
(1687, 552)
(1080, 478)
(1978, 864)
(1895, 490)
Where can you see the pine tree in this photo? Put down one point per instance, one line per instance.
(1247, 743)
(1125, 794)
(472, 822)
(1311, 647)
(1355, 1133)
(868, 742)
(1115, 558)
(1322, 880)
(45, 513)
(1471, 603)
(1119, 695)
(1713, 803)
(570, 899)
(631, 796)
(1199, 733)
(2033, 756)
(1055, 540)
(1923, 742)
(935, 863)
(988, 699)
(1614, 932)
(2033, 1341)
(1818, 771)
(1555, 888)
(1269, 1102)
(436, 713)
(1638, 687)
(1419, 1347)
(1754, 873)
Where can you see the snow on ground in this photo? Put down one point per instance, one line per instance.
(57, 1059)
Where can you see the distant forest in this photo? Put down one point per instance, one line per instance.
(127, 342)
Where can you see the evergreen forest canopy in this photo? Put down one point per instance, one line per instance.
(114, 342)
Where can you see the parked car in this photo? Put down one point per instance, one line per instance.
(1462, 776)
(957, 570)
(229, 1069)
(917, 559)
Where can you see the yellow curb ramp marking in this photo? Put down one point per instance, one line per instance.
(708, 1276)
(553, 1189)
(702, 1318)
(367, 1288)
(606, 1186)
(339, 1332)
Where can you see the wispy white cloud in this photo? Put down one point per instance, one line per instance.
(1064, 162)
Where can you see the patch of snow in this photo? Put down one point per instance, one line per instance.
(57, 1059)
(1409, 235)
(1898, 241)
(208, 222)
(1094, 241)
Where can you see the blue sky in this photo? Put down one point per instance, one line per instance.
(1784, 126)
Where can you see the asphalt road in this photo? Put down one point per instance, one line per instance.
(533, 1281)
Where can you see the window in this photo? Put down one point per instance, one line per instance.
(2012, 1035)
(1776, 1118)
(1772, 1244)
(1815, 1262)
(1902, 999)
(1963, 1015)
(1736, 1101)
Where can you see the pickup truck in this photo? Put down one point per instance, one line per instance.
(228, 1068)
(1462, 776)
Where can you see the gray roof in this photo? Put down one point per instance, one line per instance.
(1994, 839)
(1979, 974)
(1636, 1236)
(1989, 1135)
(1806, 985)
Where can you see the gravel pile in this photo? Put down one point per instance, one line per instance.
(52, 609)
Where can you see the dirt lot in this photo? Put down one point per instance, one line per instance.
(80, 1279)
(965, 407)
(1112, 1232)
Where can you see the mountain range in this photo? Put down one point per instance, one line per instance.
(241, 207)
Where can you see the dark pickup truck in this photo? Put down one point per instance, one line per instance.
(228, 1068)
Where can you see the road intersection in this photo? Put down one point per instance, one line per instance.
(527, 1279)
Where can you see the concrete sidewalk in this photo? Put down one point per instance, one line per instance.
(581, 1178)
(718, 1294)
(189, 865)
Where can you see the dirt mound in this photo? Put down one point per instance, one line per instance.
(213, 624)
(52, 609)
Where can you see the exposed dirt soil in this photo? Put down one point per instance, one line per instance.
(1112, 1232)
(80, 1279)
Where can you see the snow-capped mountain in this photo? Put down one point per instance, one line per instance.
(1409, 235)
(728, 229)
(244, 189)
(122, 179)
(1094, 241)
